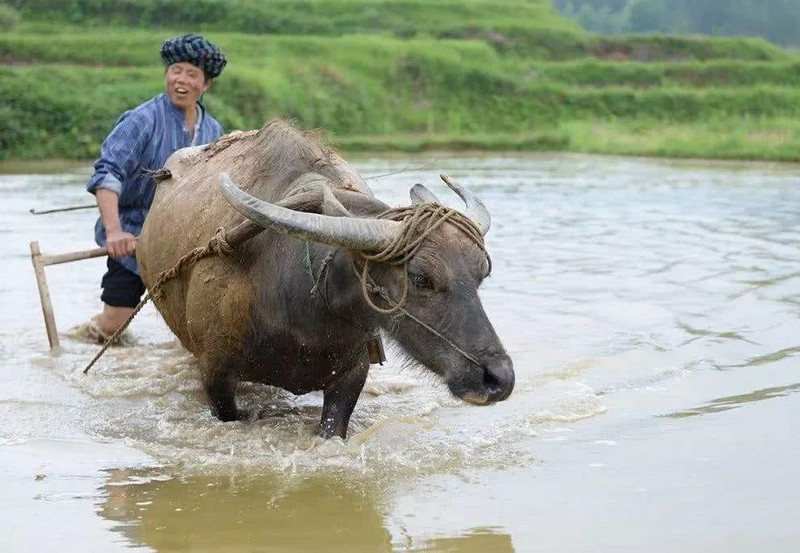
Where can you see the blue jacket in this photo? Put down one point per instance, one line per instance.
(141, 141)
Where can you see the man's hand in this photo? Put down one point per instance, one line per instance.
(120, 243)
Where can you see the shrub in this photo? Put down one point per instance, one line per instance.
(9, 18)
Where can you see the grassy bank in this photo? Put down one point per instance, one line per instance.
(751, 139)
(61, 88)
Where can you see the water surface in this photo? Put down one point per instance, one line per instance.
(652, 310)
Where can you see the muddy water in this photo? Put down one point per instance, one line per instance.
(653, 313)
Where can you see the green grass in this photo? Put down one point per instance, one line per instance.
(594, 73)
(509, 76)
(543, 141)
(768, 139)
(403, 18)
(744, 138)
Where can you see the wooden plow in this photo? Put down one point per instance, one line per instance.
(40, 261)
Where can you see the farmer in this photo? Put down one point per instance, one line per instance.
(141, 141)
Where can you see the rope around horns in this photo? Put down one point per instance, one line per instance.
(419, 221)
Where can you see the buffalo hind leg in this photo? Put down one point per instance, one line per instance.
(340, 400)
(220, 391)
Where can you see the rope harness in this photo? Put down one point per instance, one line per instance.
(419, 222)
(217, 245)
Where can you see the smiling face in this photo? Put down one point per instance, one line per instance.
(185, 83)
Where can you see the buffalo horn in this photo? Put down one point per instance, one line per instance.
(346, 232)
(421, 195)
(475, 208)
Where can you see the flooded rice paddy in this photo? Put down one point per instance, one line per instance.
(652, 310)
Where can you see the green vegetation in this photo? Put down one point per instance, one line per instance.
(9, 18)
(471, 19)
(767, 138)
(400, 75)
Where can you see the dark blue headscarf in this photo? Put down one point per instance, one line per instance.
(195, 50)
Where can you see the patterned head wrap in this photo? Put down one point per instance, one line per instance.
(195, 50)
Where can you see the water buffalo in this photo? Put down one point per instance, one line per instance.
(295, 306)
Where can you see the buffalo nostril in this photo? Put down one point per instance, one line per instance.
(498, 382)
(490, 383)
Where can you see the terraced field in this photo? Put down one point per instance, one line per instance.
(407, 75)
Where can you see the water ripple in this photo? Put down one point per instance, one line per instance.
(734, 402)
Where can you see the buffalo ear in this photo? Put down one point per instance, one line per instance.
(332, 206)
(315, 197)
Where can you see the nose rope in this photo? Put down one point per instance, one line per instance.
(375, 288)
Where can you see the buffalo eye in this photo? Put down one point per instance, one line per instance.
(420, 281)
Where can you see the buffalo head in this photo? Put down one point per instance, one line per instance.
(427, 301)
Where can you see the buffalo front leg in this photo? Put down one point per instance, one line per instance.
(340, 399)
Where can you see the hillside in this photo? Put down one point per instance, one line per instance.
(776, 21)
(400, 75)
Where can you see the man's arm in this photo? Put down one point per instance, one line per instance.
(119, 242)
(119, 156)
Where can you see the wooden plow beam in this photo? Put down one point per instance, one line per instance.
(40, 261)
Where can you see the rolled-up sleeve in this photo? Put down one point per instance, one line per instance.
(121, 152)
